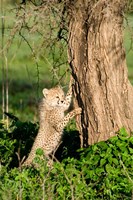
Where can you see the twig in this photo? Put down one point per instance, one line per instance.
(125, 170)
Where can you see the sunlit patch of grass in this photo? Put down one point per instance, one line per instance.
(128, 43)
(29, 71)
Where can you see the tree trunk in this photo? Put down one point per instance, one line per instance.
(98, 63)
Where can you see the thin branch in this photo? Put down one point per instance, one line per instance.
(125, 170)
(37, 65)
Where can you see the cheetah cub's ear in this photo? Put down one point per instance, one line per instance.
(45, 92)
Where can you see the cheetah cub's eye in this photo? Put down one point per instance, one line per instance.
(57, 97)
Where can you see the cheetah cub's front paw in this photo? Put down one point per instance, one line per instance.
(78, 111)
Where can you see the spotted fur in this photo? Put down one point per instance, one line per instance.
(52, 120)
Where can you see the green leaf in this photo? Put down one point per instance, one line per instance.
(108, 168)
(39, 152)
(113, 139)
(110, 159)
(103, 145)
(123, 148)
(123, 132)
(109, 150)
(96, 159)
(103, 154)
(118, 143)
(94, 148)
(123, 138)
(131, 140)
(131, 150)
(102, 162)
(115, 161)
(116, 152)
(99, 171)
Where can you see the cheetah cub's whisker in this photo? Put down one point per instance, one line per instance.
(52, 121)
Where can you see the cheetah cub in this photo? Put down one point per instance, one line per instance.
(52, 121)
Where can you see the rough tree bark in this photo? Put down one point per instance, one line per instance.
(98, 63)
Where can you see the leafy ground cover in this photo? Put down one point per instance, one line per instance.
(101, 171)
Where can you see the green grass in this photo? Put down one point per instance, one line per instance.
(28, 73)
(128, 43)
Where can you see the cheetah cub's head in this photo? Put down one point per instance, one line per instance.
(54, 96)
